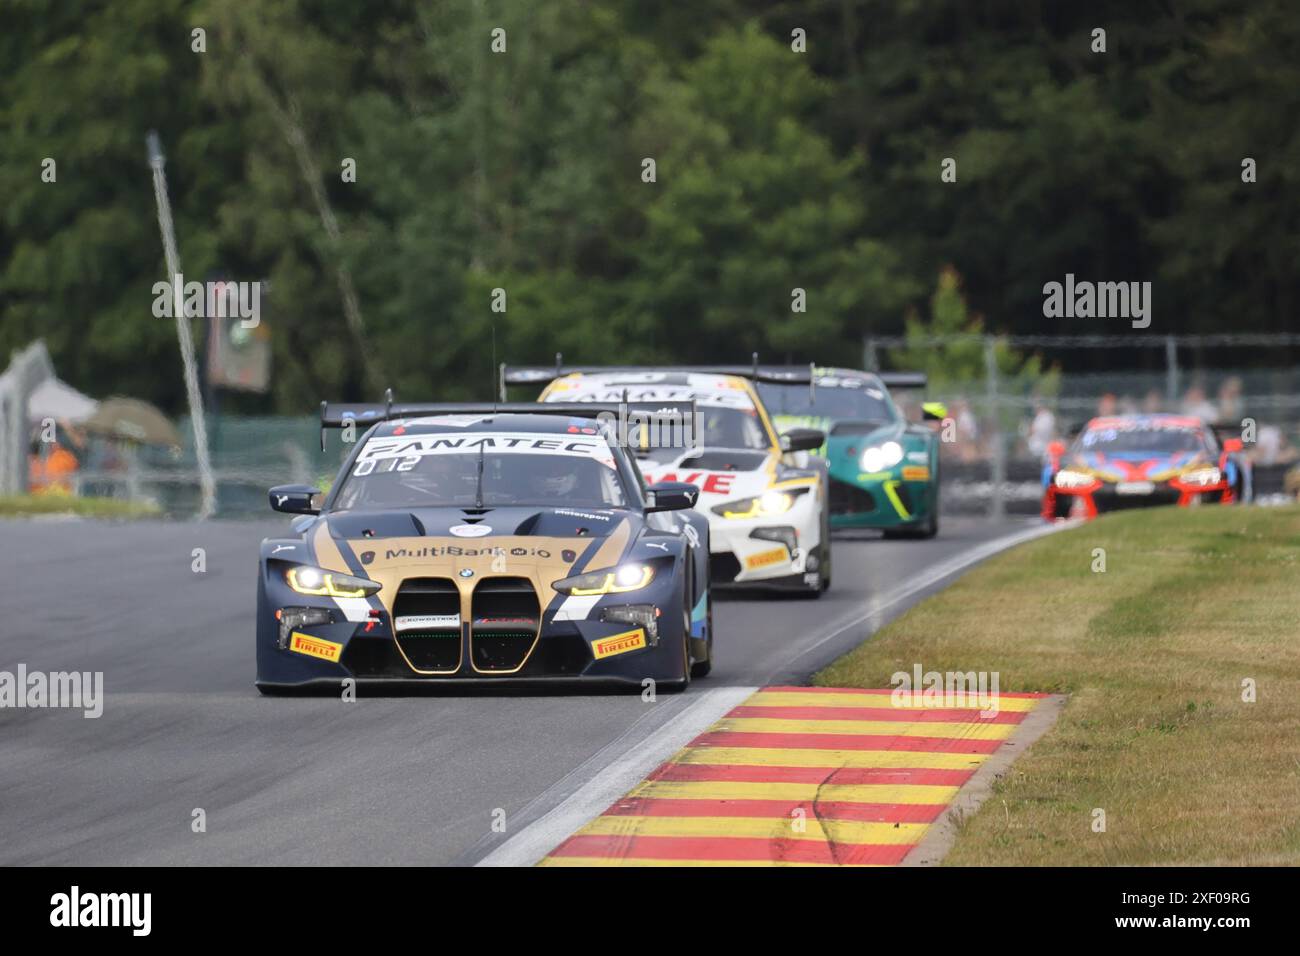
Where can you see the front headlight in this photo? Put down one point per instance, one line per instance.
(766, 505)
(629, 577)
(1201, 476)
(317, 581)
(879, 457)
(1074, 479)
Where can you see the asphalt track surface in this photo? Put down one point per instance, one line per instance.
(395, 780)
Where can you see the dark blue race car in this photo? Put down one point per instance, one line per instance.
(466, 543)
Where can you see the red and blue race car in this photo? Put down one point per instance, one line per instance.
(1134, 461)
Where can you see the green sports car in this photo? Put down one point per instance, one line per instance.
(884, 471)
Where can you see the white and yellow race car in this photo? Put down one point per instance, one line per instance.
(767, 511)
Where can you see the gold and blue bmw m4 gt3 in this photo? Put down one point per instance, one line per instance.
(480, 543)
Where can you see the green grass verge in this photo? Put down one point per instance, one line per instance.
(1153, 653)
(27, 505)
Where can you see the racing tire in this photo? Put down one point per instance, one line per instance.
(926, 529)
(931, 526)
(824, 565)
(702, 668)
(679, 686)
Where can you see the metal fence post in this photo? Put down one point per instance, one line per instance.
(997, 506)
(869, 360)
(1171, 372)
(207, 483)
(29, 368)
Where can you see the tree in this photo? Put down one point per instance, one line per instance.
(751, 203)
(950, 347)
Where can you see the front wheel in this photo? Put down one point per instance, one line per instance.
(702, 668)
(677, 686)
(930, 527)
(927, 528)
(826, 552)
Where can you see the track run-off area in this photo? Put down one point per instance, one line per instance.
(454, 777)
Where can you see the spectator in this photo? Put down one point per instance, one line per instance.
(1042, 430)
(1197, 405)
(968, 430)
(51, 468)
(1272, 447)
(1230, 407)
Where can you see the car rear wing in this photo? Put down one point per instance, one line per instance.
(903, 379)
(625, 414)
(544, 374)
(888, 379)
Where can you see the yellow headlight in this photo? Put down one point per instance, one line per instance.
(630, 577)
(321, 583)
(767, 504)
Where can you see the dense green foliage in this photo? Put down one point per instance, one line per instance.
(522, 170)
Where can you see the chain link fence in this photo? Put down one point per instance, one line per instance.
(249, 455)
(1001, 424)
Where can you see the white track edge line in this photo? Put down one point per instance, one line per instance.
(543, 835)
(531, 844)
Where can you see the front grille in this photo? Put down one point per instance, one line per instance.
(1107, 500)
(560, 655)
(723, 567)
(846, 499)
(432, 650)
(504, 620)
(374, 657)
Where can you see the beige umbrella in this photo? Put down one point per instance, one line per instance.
(133, 420)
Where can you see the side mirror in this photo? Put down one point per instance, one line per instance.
(1056, 449)
(296, 499)
(672, 496)
(934, 411)
(803, 439)
(1233, 445)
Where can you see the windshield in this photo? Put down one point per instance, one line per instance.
(855, 401)
(1141, 441)
(425, 472)
(718, 427)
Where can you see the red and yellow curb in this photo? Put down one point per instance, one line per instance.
(800, 776)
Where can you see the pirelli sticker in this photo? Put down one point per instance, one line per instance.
(315, 647)
(618, 644)
(766, 558)
(916, 473)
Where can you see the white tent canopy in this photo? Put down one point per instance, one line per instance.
(60, 401)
